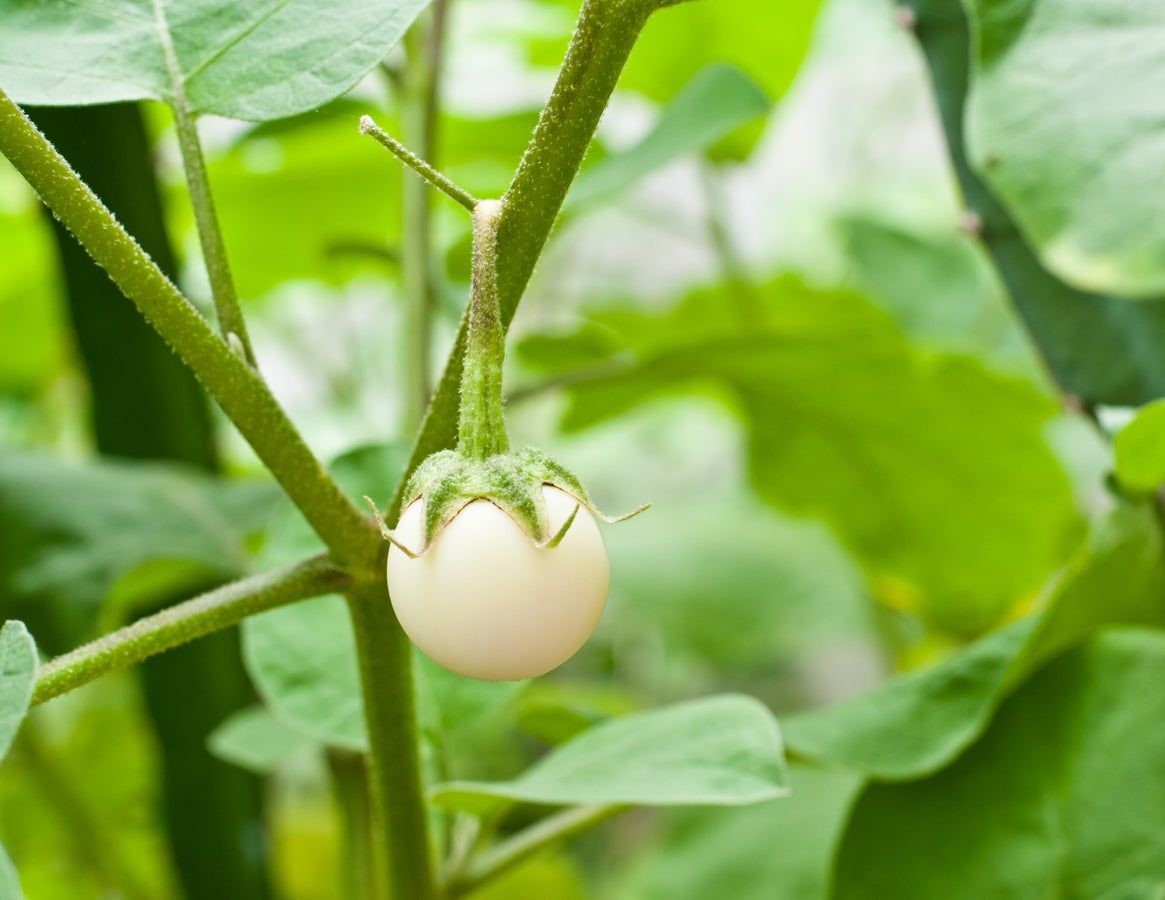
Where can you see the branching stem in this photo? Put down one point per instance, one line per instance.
(207, 613)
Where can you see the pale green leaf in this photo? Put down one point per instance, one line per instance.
(1140, 449)
(716, 101)
(247, 59)
(18, 662)
(1064, 796)
(723, 750)
(918, 723)
(1064, 123)
(257, 740)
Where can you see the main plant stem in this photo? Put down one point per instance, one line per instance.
(400, 823)
(481, 430)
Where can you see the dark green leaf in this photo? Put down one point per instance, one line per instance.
(248, 59)
(1064, 123)
(1064, 796)
(1100, 348)
(918, 723)
(723, 750)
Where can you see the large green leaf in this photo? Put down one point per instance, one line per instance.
(18, 662)
(248, 59)
(918, 723)
(72, 532)
(847, 422)
(1063, 797)
(1100, 347)
(716, 101)
(723, 750)
(1064, 123)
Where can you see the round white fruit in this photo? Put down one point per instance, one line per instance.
(484, 601)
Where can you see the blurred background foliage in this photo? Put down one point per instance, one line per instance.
(766, 310)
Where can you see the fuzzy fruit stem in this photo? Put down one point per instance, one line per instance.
(481, 429)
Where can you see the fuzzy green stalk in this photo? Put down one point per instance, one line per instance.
(481, 427)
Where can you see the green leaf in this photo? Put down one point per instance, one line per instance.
(1064, 124)
(256, 740)
(1140, 449)
(9, 880)
(1100, 348)
(302, 659)
(18, 662)
(918, 723)
(723, 750)
(847, 422)
(718, 100)
(247, 59)
(71, 532)
(1064, 796)
(778, 849)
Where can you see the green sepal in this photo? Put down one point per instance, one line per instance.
(448, 481)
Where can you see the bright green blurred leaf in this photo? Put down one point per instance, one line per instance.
(934, 470)
(723, 750)
(1140, 449)
(778, 849)
(18, 662)
(71, 532)
(918, 723)
(1064, 123)
(555, 712)
(715, 102)
(248, 59)
(1064, 796)
(257, 741)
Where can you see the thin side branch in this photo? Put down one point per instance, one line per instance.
(439, 180)
(234, 384)
(506, 854)
(603, 38)
(205, 614)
